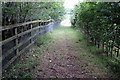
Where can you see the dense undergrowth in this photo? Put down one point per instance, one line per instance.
(100, 22)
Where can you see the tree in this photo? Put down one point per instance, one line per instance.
(19, 12)
(100, 21)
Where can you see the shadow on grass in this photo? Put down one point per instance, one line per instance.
(112, 63)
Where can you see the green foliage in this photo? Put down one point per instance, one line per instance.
(100, 21)
(43, 39)
(19, 12)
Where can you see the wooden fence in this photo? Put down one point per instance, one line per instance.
(16, 39)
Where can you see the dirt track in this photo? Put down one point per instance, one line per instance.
(60, 59)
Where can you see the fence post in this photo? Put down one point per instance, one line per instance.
(16, 40)
(31, 32)
(39, 23)
(118, 51)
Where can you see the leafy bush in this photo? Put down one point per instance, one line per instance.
(100, 21)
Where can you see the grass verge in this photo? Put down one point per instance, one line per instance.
(93, 55)
(25, 67)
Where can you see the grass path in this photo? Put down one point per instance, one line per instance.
(67, 56)
(62, 53)
(60, 58)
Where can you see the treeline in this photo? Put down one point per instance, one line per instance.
(101, 22)
(19, 12)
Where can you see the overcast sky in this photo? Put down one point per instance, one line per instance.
(71, 3)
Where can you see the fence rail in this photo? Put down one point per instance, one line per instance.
(18, 38)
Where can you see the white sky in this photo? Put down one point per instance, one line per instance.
(66, 21)
(71, 3)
